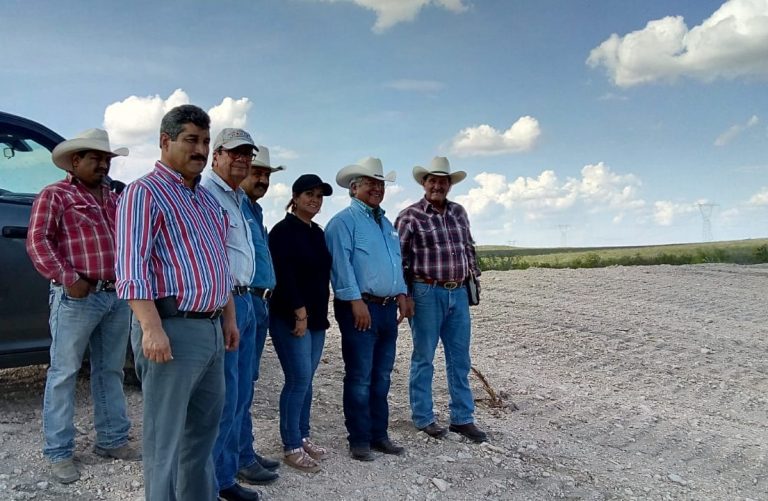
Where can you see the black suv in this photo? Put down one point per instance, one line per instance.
(25, 168)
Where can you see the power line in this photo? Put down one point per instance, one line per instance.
(705, 209)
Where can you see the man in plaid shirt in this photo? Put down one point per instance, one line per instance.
(438, 257)
(71, 242)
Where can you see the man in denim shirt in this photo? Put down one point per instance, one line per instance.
(368, 286)
(258, 469)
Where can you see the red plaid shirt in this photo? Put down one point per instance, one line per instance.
(436, 245)
(72, 235)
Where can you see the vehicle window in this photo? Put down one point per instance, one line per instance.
(25, 165)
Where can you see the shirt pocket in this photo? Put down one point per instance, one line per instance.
(82, 215)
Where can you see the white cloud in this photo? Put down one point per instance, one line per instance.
(734, 131)
(598, 189)
(484, 140)
(731, 43)
(392, 12)
(760, 198)
(135, 122)
(406, 85)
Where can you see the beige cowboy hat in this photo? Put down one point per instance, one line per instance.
(438, 167)
(91, 139)
(261, 159)
(368, 167)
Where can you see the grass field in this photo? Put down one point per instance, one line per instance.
(519, 258)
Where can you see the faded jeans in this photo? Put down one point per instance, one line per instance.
(261, 313)
(299, 357)
(238, 379)
(100, 322)
(443, 315)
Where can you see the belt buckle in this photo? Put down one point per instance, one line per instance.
(267, 294)
(215, 314)
(450, 285)
(386, 300)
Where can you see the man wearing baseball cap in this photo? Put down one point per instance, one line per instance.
(233, 151)
(71, 242)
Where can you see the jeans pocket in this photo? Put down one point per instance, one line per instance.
(420, 290)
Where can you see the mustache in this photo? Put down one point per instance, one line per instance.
(261, 185)
(199, 157)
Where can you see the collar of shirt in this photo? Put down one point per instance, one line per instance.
(295, 221)
(75, 182)
(367, 208)
(171, 175)
(238, 194)
(427, 206)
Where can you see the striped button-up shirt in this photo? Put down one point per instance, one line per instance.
(436, 245)
(71, 234)
(170, 242)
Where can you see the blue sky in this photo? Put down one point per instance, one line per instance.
(585, 122)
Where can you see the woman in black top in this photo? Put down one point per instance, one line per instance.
(298, 314)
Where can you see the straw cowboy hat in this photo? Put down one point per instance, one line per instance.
(91, 139)
(438, 167)
(261, 159)
(368, 167)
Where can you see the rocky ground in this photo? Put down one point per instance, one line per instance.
(629, 383)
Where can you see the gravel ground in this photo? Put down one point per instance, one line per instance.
(629, 383)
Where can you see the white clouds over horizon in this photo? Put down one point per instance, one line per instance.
(731, 43)
(735, 130)
(391, 12)
(759, 199)
(598, 189)
(485, 140)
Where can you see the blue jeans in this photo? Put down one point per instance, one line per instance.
(238, 379)
(299, 357)
(368, 360)
(101, 322)
(183, 399)
(261, 315)
(440, 314)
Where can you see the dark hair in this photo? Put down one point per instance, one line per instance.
(291, 204)
(173, 121)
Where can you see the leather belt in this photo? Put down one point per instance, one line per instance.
(212, 315)
(98, 285)
(242, 290)
(445, 284)
(383, 301)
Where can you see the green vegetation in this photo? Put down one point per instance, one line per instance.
(519, 258)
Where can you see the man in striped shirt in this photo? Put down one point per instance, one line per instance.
(172, 268)
(438, 258)
(71, 242)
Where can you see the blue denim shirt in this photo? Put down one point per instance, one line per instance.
(264, 275)
(366, 256)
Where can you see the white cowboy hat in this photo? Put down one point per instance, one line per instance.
(368, 167)
(438, 167)
(91, 139)
(261, 159)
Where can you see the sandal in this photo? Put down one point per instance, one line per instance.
(315, 451)
(299, 459)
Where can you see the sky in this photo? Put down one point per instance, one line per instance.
(578, 122)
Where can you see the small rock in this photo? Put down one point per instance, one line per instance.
(135, 484)
(446, 459)
(441, 484)
(42, 485)
(674, 477)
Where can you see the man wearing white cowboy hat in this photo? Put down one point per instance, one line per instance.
(233, 151)
(438, 258)
(255, 468)
(369, 289)
(71, 242)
